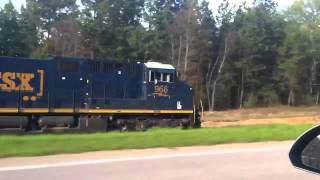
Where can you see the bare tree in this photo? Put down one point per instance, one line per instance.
(66, 38)
(215, 70)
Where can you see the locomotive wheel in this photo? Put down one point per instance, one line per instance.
(126, 125)
(121, 125)
(33, 123)
(141, 125)
(185, 123)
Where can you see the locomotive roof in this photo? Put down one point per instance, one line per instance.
(155, 65)
(158, 65)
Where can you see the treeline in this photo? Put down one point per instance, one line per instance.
(251, 55)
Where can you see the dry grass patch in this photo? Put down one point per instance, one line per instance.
(255, 116)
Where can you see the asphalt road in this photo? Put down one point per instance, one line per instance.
(237, 161)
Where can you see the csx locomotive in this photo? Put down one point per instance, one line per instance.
(91, 95)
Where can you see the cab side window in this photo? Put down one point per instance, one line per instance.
(167, 77)
(158, 76)
(170, 78)
(152, 76)
(161, 77)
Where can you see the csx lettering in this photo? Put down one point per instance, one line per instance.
(9, 82)
(25, 81)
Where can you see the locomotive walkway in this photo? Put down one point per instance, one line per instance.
(235, 161)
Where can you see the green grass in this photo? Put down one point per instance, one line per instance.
(34, 145)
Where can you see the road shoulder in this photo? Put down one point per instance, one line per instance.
(107, 156)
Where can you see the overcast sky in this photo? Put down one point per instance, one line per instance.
(213, 3)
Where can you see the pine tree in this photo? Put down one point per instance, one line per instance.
(11, 34)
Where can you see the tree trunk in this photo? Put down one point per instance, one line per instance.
(75, 47)
(186, 56)
(318, 94)
(218, 75)
(180, 52)
(242, 89)
(63, 47)
(208, 94)
(92, 54)
(172, 49)
(209, 81)
(313, 75)
(212, 108)
(291, 98)
(187, 34)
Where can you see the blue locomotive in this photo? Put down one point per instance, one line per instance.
(92, 95)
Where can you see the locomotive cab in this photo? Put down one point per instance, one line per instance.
(165, 89)
(160, 79)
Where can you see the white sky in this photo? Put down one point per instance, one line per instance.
(16, 3)
(213, 3)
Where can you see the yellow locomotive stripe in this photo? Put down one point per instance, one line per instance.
(62, 110)
(114, 111)
(176, 111)
(34, 110)
(135, 111)
(8, 110)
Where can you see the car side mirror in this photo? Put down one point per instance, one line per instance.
(305, 152)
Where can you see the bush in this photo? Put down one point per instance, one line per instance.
(262, 99)
(251, 101)
(270, 98)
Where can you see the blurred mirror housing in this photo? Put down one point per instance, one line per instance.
(305, 152)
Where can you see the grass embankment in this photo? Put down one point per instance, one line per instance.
(33, 145)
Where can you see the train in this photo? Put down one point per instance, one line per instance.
(92, 95)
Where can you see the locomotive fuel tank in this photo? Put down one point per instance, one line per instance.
(13, 122)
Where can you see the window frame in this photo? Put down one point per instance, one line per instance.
(153, 75)
(150, 76)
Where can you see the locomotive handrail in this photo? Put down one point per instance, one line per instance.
(19, 100)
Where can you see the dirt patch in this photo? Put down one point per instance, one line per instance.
(262, 116)
(291, 120)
